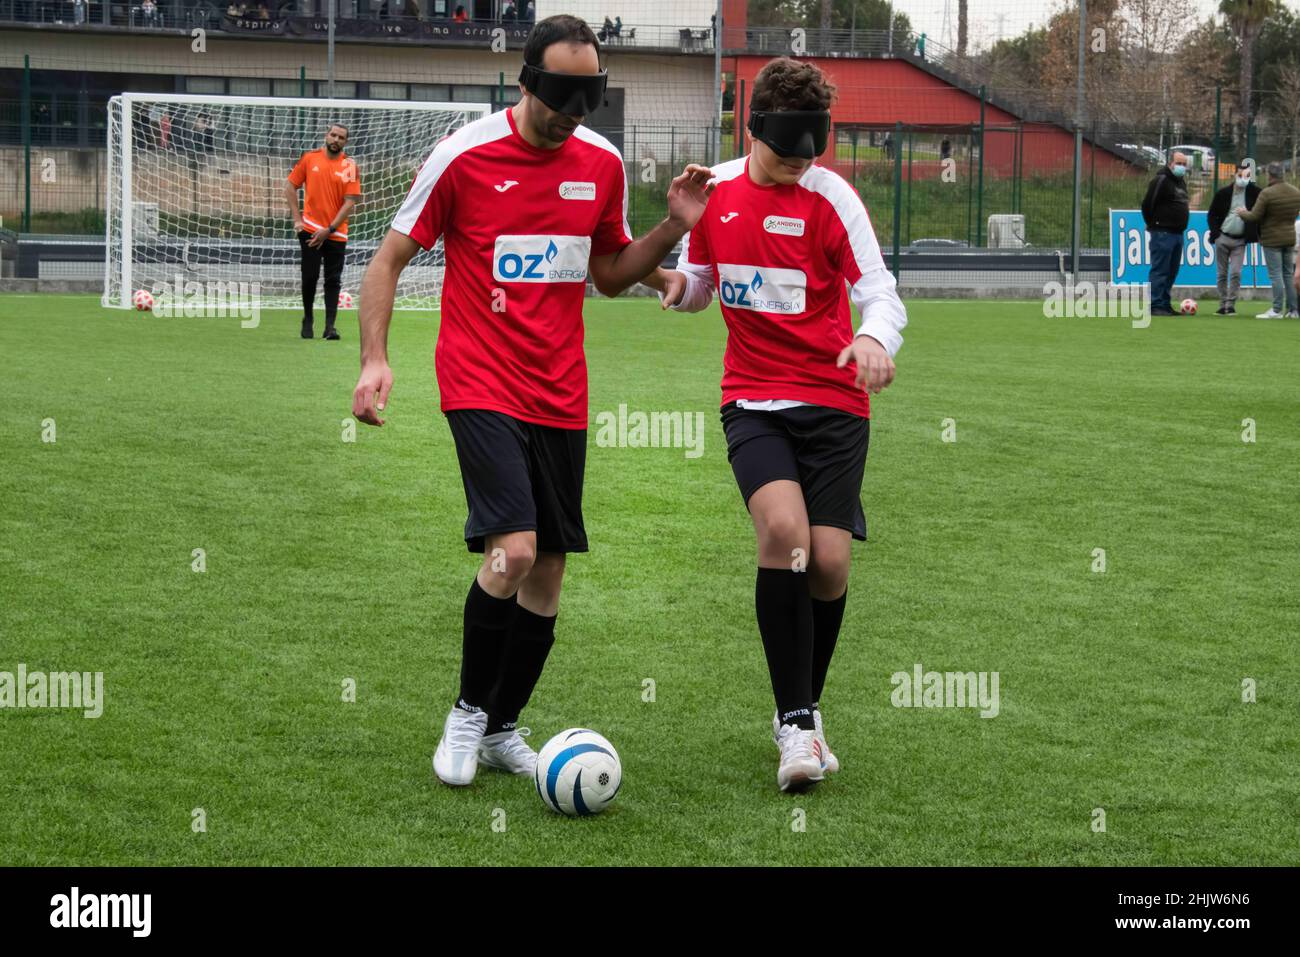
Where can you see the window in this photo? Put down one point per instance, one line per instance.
(242, 86)
(429, 92)
(388, 91)
(211, 85)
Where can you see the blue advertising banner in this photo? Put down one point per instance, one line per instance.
(1130, 253)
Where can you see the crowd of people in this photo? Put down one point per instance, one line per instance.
(1240, 213)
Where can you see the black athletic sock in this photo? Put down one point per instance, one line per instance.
(527, 646)
(827, 617)
(487, 623)
(785, 622)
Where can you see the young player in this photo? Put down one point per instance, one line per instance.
(528, 201)
(331, 189)
(779, 240)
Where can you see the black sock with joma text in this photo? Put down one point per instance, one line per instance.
(785, 622)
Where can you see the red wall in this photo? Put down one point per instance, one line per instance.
(882, 92)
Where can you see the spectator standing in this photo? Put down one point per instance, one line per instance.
(459, 16)
(1230, 235)
(945, 149)
(1166, 209)
(1275, 211)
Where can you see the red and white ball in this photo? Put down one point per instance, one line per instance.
(1187, 307)
(143, 300)
(345, 300)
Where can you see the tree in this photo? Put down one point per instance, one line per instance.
(1246, 17)
(961, 28)
(1285, 103)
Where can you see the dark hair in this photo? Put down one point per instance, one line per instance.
(341, 126)
(788, 84)
(556, 29)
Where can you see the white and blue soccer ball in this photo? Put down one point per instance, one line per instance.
(578, 773)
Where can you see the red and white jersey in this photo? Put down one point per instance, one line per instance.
(518, 225)
(780, 257)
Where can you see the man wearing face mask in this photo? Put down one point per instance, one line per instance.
(1166, 210)
(528, 203)
(1231, 234)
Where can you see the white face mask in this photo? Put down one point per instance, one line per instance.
(1242, 181)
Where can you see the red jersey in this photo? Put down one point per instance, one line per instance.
(780, 257)
(518, 225)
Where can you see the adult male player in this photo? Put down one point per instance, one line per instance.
(528, 202)
(331, 189)
(779, 240)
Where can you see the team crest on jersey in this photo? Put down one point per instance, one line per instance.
(541, 258)
(575, 190)
(762, 288)
(783, 225)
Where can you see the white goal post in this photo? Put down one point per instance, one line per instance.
(196, 189)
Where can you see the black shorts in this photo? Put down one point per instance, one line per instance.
(520, 477)
(824, 450)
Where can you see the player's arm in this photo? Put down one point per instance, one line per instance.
(689, 287)
(349, 203)
(1257, 213)
(688, 194)
(291, 201)
(377, 291)
(853, 248)
(297, 176)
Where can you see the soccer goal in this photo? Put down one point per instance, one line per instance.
(196, 189)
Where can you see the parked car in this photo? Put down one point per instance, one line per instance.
(1200, 159)
(1149, 154)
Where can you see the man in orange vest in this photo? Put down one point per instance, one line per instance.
(331, 188)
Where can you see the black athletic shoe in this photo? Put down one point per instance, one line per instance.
(1160, 311)
(331, 333)
(307, 331)
(1230, 311)
(1221, 311)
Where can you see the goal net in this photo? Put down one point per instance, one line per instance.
(196, 189)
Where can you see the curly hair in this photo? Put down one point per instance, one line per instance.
(789, 84)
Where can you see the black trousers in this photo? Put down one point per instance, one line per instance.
(331, 251)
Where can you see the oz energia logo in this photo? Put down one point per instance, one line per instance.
(762, 289)
(541, 258)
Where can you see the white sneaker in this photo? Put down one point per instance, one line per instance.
(1271, 314)
(1293, 314)
(508, 751)
(801, 763)
(456, 760)
(829, 761)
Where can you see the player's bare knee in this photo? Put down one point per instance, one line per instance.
(511, 557)
(783, 533)
(828, 575)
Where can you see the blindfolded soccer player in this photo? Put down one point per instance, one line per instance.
(527, 201)
(780, 240)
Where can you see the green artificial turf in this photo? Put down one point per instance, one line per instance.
(329, 560)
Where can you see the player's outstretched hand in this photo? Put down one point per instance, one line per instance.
(376, 381)
(674, 288)
(688, 194)
(875, 368)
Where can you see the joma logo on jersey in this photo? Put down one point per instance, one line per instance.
(783, 226)
(541, 258)
(762, 289)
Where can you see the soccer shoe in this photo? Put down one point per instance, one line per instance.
(1221, 311)
(456, 759)
(1271, 314)
(331, 333)
(829, 761)
(801, 763)
(508, 751)
(307, 330)
(1293, 314)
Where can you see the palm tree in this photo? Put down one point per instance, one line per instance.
(1246, 17)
